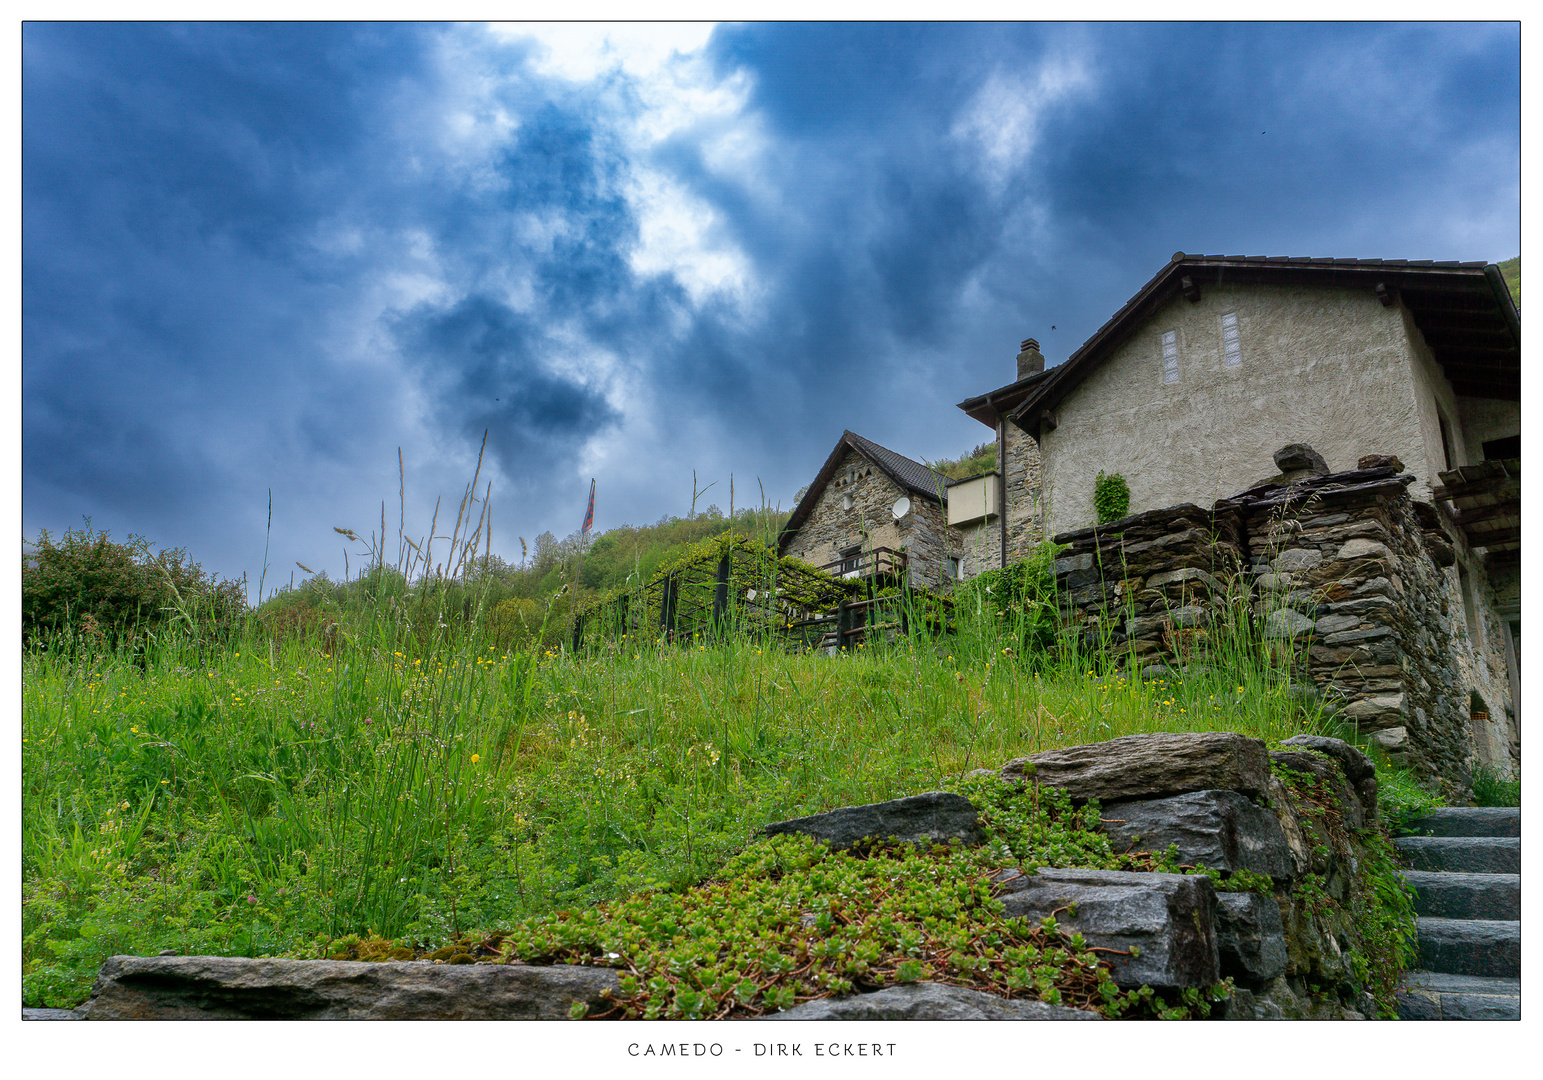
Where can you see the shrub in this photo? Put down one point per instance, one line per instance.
(1111, 497)
(1021, 595)
(104, 592)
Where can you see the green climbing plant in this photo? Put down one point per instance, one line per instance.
(1111, 497)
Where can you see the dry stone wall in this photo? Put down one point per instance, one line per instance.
(1342, 570)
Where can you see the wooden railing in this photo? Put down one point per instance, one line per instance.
(876, 562)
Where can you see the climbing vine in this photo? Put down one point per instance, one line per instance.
(1111, 497)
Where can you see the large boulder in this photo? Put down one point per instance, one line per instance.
(1221, 829)
(936, 817)
(235, 988)
(1169, 918)
(928, 1001)
(1150, 766)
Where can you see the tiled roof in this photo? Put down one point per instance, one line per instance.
(908, 473)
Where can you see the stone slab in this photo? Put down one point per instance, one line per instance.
(1170, 918)
(928, 1001)
(1250, 939)
(1469, 821)
(1491, 947)
(236, 988)
(1463, 854)
(936, 817)
(1448, 895)
(1150, 766)
(1427, 995)
(1222, 829)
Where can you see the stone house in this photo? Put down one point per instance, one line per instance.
(871, 510)
(1218, 362)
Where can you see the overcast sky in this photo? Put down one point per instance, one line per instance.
(265, 257)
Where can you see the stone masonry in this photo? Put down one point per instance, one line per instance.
(1344, 570)
(833, 526)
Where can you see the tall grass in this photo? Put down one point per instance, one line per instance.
(409, 777)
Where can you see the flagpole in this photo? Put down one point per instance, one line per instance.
(578, 571)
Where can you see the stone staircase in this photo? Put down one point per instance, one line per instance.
(1466, 873)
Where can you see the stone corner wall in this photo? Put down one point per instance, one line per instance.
(1344, 570)
(1025, 512)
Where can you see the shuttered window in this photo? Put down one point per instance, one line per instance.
(1230, 343)
(1171, 356)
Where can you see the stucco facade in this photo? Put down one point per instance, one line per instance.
(1329, 367)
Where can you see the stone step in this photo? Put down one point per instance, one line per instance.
(1430, 995)
(1469, 821)
(1447, 895)
(1488, 947)
(1462, 854)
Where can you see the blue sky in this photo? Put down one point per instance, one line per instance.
(265, 257)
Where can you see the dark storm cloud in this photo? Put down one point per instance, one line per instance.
(490, 378)
(266, 256)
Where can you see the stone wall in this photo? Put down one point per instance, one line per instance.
(1025, 526)
(833, 527)
(1344, 570)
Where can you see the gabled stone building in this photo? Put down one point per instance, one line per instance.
(872, 510)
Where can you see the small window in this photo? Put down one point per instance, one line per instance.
(951, 568)
(1171, 356)
(1230, 339)
(851, 561)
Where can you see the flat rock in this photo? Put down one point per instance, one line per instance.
(1428, 995)
(1150, 766)
(1489, 947)
(1221, 829)
(236, 988)
(1444, 894)
(928, 1001)
(936, 817)
(1170, 918)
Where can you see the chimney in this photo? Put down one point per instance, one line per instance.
(1030, 360)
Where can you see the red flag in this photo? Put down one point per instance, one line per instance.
(589, 515)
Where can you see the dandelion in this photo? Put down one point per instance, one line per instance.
(476, 758)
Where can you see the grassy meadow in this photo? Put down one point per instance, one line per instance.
(274, 796)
